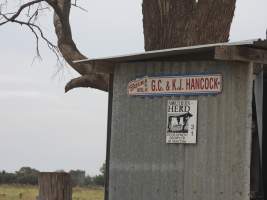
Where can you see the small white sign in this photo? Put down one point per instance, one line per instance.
(176, 85)
(181, 121)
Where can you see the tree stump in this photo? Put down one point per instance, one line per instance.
(54, 186)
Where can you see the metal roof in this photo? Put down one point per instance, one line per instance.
(254, 43)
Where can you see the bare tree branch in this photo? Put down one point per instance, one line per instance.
(26, 5)
(90, 80)
(37, 31)
(65, 47)
(70, 52)
(30, 23)
(75, 4)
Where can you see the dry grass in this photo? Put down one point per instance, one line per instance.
(22, 192)
(88, 194)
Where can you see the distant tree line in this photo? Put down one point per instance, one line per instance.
(29, 176)
(25, 175)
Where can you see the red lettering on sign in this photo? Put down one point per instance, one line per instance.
(202, 83)
(216, 83)
(180, 86)
(192, 84)
(207, 83)
(188, 84)
(153, 87)
(211, 83)
(173, 84)
(167, 85)
(159, 85)
(197, 83)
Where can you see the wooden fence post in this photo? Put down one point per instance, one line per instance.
(54, 186)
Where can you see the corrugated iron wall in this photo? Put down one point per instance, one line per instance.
(144, 167)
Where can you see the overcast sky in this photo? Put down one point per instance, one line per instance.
(44, 128)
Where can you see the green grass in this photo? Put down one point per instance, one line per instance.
(22, 192)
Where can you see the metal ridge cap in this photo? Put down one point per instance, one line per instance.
(144, 53)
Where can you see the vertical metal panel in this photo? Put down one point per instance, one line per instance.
(264, 132)
(143, 166)
(256, 183)
(110, 98)
(258, 91)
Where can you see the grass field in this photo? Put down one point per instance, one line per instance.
(14, 192)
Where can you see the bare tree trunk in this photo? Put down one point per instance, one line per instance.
(176, 23)
(54, 186)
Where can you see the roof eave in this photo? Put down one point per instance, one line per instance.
(150, 55)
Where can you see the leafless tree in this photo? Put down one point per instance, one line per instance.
(167, 24)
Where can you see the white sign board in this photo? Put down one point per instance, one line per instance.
(176, 85)
(181, 121)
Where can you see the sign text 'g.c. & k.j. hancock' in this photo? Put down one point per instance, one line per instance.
(176, 85)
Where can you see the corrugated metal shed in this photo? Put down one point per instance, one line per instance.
(144, 167)
(141, 166)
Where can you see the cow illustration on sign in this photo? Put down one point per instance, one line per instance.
(178, 123)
